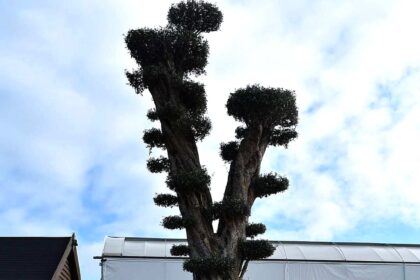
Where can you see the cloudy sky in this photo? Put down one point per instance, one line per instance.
(71, 155)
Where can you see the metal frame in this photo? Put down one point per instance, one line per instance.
(335, 244)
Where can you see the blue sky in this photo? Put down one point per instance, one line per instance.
(71, 155)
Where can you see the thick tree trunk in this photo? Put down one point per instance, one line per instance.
(183, 155)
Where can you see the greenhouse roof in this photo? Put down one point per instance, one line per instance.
(134, 247)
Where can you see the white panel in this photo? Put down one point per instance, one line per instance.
(412, 272)
(343, 271)
(265, 270)
(279, 253)
(317, 271)
(376, 271)
(141, 269)
(154, 249)
(125, 269)
(113, 246)
(134, 248)
(359, 253)
(163, 269)
(387, 254)
(174, 271)
(415, 251)
(320, 252)
(293, 251)
(409, 254)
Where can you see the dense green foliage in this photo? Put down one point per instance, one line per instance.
(193, 96)
(256, 249)
(230, 208)
(180, 250)
(209, 265)
(153, 48)
(154, 138)
(166, 200)
(152, 115)
(197, 180)
(282, 137)
(229, 150)
(253, 230)
(269, 184)
(135, 79)
(158, 165)
(259, 105)
(240, 132)
(177, 222)
(200, 126)
(195, 16)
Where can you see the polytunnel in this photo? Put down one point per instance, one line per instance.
(127, 258)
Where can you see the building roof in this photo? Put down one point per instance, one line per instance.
(34, 258)
(129, 247)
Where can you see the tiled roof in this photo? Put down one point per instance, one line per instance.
(30, 258)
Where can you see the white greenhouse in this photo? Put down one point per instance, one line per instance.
(126, 258)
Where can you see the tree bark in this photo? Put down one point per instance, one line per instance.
(183, 156)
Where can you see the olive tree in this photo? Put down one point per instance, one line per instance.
(168, 59)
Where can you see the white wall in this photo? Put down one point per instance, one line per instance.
(167, 269)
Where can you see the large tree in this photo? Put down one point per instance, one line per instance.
(168, 57)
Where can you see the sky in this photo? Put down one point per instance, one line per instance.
(71, 155)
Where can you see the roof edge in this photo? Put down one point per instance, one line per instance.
(278, 241)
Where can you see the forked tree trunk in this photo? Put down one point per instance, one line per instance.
(167, 56)
(183, 155)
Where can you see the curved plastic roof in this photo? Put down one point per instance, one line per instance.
(285, 250)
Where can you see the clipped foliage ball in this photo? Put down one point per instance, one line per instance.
(189, 52)
(198, 126)
(152, 115)
(240, 132)
(282, 137)
(154, 138)
(153, 48)
(180, 250)
(269, 184)
(193, 96)
(173, 222)
(177, 222)
(229, 150)
(196, 180)
(259, 105)
(158, 165)
(147, 45)
(135, 79)
(210, 265)
(254, 229)
(166, 200)
(230, 208)
(256, 249)
(195, 16)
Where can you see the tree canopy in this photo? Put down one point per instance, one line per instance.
(168, 58)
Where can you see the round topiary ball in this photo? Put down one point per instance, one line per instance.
(195, 16)
(267, 106)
